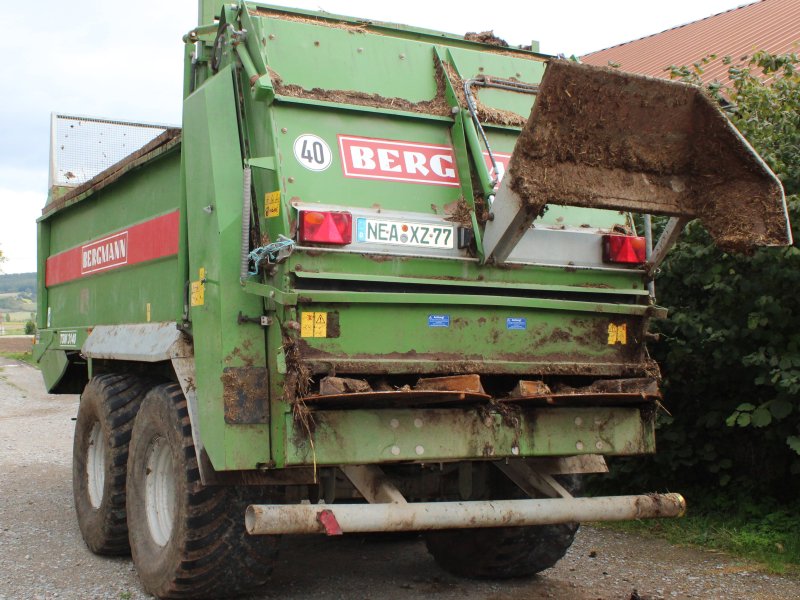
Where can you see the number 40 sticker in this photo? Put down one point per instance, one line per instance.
(312, 152)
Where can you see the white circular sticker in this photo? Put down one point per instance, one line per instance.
(312, 152)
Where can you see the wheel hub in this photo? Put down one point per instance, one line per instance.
(96, 465)
(160, 490)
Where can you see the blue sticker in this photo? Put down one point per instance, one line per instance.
(516, 323)
(438, 320)
(361, 229)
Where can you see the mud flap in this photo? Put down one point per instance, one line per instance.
(602, 138)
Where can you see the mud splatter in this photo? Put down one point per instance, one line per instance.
(486, 37)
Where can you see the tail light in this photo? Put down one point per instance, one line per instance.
(624, 249)
(326, 227)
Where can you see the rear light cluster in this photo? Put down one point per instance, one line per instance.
(326, 227)
(624, 249)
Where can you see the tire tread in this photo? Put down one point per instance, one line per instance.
(217, 558)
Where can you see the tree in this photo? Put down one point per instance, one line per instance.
(738, 420)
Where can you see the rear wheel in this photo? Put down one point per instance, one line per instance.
(107, 409)
(502, 552)
(188, 540)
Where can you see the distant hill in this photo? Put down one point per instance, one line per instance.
(18, 283)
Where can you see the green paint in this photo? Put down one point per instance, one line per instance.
(363, 436)
(212, 154)
(53, 365)
(243, 115)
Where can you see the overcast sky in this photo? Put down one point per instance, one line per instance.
(124, 60)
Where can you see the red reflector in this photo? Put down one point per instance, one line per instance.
(625, 249)
(326, 227)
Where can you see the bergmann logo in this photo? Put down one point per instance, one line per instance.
(107, 253)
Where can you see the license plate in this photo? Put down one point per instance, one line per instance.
(403, 233)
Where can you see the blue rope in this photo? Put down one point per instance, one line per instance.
(270, 253)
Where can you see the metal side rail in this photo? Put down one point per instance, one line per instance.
(333, 519)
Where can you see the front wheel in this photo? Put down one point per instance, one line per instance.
(187, 540)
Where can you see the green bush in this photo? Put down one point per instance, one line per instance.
(730, 351)
(30, 328)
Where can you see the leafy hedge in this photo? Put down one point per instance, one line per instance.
(730, 351)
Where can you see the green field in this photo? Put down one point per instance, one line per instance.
(15, 310)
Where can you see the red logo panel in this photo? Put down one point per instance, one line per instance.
(393, 160)
(156, 238)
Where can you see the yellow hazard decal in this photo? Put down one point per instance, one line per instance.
(314, 325)
(198, 290)
(272, 204)
(617, 334)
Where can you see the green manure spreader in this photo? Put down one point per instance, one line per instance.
(381, 279)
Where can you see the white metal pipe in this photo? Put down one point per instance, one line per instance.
(268, 519)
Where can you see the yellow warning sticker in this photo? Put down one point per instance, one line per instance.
(314, 325)
(272, 204)
(198, 294)
(307, 324)
(321, 324)
(198, 290)
(617, 334)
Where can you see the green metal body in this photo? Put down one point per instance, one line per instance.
(297, 73)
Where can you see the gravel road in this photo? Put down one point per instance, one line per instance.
(42, 555)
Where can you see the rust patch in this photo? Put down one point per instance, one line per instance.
(401, 398)
(342, 385)
(333, 329)
(454, 383)
(529, 388)
(237, 354)
(245, 395)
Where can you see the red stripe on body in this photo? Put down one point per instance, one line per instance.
(156, 238)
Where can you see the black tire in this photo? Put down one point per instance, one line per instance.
(106, 413)
(502, 552)
(203, 550)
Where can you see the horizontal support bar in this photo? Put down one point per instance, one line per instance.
(422, 364)
(486, 285)
(271, 293)
(310, 297)
(359, 436)
(319, 251)
(267, 519)
(284, 99)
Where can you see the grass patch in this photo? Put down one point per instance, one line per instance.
(25, 357)
(767, 535)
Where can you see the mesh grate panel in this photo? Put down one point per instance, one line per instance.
(82, 147)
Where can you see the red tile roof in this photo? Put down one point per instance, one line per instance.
(772, 25)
